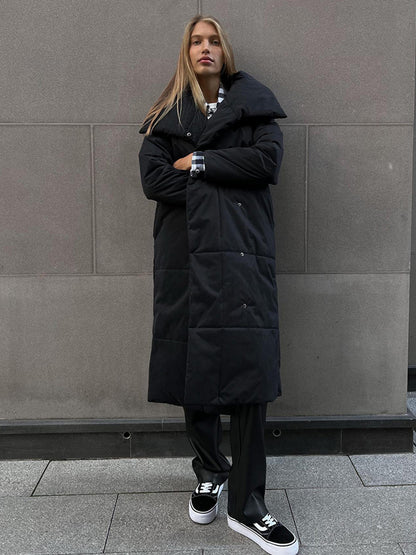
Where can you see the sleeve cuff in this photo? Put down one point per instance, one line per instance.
(198, 163)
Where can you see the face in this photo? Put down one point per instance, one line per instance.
(205, 51)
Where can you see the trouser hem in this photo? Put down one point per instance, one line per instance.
(247, 474)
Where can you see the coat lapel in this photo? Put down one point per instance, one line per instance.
(223, 118)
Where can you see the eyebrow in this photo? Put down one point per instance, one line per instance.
(199, 36)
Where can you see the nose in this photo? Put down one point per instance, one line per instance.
(205, 46)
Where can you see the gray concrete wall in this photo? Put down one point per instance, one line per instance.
(412, 308)
(76, 228)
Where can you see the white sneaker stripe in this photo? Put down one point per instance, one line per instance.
(261, 528)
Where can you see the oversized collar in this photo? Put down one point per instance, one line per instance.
(245, 98)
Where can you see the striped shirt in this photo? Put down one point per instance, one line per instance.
(198, 161)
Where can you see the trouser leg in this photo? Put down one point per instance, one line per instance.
(247, 479)
(204, 432)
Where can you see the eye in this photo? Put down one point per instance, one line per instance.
(216, 42)
(195, 41)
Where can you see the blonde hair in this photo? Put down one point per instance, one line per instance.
(185, 75)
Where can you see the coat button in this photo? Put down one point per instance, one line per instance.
(244, 305)
(188, 134)
(242, 254)
(238, 203)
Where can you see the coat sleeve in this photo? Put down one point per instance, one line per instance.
(160, 180)
(256, 165)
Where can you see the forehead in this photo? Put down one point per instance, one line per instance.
(203, 28)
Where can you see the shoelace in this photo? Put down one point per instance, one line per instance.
(269, 520)
(205, 487)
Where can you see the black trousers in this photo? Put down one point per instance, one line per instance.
(247, 474)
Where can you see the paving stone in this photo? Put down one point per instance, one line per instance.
(235, 551)
(72, 524)
(354, 516)
(408, 548)
(390, 549)
(386, 469)
(176, 474)
(20, 477)
(368, 549)
(411, 402)
(294, 471)
(138, 517)
(163, 552)
(117, 475)
(297, 471)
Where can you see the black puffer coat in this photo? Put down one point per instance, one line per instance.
(215, 328)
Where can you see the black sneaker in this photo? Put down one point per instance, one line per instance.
(268, 533)
(203, 504)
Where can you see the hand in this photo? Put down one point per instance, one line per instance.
(184, 163)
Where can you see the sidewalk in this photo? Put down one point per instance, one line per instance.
(336, 505)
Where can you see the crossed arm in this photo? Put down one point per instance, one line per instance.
(165, 179)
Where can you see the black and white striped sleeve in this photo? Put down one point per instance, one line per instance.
(198, 164)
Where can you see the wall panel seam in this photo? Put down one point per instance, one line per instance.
(144, 274)
(93, 220)
(305, 206)
(129, 123)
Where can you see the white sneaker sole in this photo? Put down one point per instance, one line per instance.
(204, 517)
(269, 547)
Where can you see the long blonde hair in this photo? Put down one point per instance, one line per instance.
(185, 75)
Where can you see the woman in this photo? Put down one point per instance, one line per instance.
(211, 148)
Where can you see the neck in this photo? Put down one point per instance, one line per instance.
(209, 86)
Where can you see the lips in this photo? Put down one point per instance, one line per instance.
(206, 59)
